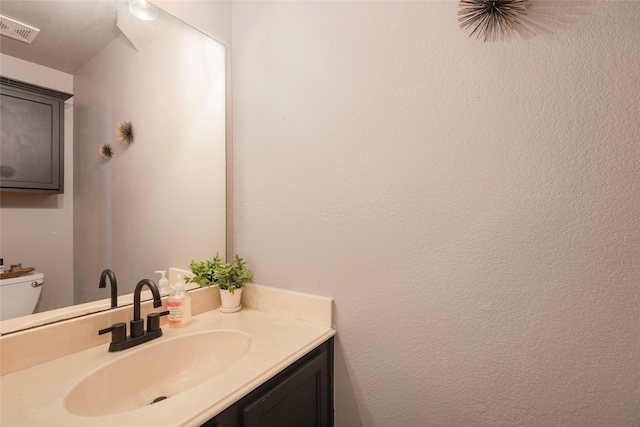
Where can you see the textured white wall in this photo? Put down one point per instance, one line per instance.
(473, 208)
(37, 230)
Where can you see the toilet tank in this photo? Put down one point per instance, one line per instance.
(19, 295)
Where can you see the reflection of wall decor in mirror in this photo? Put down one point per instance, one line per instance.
(143, 212)
(125, 132)
(487, 18)
(106, 151)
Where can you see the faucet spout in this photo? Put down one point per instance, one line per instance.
(114, 285)
(157, 302)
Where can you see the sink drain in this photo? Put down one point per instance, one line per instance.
(158, 399)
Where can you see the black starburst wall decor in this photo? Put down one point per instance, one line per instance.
(125, 132)
(487, 18)
(106, 151)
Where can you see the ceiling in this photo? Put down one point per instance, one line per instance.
(70, 31)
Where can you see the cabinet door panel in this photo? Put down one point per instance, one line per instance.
(31, 137)
(28, 127)
(298, 401)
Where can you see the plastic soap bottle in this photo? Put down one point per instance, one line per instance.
(179, 303)
(164, 284)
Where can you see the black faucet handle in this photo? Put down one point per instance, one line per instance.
(153, 321)
(137, 327)
(118, 332)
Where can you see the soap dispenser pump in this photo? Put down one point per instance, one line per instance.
(163, 284)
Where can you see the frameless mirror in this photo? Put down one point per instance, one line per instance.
(159, 202)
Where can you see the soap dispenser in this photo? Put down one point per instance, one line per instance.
(163, 284)
(179, 303)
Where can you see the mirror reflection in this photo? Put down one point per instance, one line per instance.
(159, 202)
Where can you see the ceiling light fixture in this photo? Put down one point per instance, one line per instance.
(142, 9)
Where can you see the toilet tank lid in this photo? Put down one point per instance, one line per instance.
(30, 277)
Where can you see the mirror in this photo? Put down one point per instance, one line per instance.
(158, 202)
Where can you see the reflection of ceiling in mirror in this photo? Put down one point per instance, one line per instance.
(71, 32)
(150, 218)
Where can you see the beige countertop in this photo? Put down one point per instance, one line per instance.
(36, 396)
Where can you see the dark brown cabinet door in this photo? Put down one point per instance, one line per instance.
(298, 401)
(31, 138)
(299, 396)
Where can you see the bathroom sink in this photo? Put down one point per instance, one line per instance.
(156, 371)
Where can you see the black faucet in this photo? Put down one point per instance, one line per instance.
(114, 285)
(137, 324)
(119, 339)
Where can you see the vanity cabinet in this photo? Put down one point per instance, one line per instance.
(299, 396)
(32, 137)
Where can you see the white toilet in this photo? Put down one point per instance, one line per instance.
(19, 295)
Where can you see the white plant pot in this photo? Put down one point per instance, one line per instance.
(230, 302)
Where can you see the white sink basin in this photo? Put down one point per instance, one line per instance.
(156, 370)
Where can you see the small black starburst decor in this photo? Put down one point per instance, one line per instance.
(487, 18)
(106, 151)
(125, 132)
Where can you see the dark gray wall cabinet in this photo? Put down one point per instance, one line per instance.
(32, 137)
(299, 396)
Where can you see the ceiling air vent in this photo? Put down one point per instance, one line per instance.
(17, 30)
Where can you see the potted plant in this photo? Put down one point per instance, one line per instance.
(203, 271)
(228, 276)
